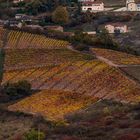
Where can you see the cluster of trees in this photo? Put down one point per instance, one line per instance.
(38, 6)
(17, 90)
(83, 41)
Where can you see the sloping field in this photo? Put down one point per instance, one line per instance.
(118, 57)
(24, 58)
(88, 77)
(53, 104)
(20, 40)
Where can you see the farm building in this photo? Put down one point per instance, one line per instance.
(92, 6)
(131, 5)
(55, 28)
(116, 28)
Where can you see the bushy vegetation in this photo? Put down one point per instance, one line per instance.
(34, 135)
(60, 15)
(17, 90)
(84, 40)
(105, 40)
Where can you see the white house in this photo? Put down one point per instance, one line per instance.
(92, 6)
(19, 16)
(131, 5)
(116, 28)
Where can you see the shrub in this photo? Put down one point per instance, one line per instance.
(81, 47)
(105, 40)
(34, 135)
(60, 15)
(21, 88)
(82, 38)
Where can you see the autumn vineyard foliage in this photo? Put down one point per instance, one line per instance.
(23, 58)
(56, 104)
(21, 40)
(64, 80)
(117, 57)
(91, 77)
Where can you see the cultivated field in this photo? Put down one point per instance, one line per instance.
(118, 57)
(53, 105)
(65, 81)
(24, 58)
(88, 77)
(22, 40)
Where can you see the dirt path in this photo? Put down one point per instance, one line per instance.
(131, 76)
(120, 67)
(109, 62)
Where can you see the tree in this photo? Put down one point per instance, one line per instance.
(33, 7)
(106, 40)
(16, 90)
(23, 87)
(60, 15)
(88, 16)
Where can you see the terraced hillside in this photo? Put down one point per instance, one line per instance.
(69, 80)
(26, 58)
(54, 105)
(88, 77)
(21, 40)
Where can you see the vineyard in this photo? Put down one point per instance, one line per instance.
(117, 57)
(17, 58)
(53, 104)
(64, 80)
(21, 40)
(88, 77)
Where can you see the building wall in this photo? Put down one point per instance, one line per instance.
(94, 7)
(131, 7)
(111, 28)
(122, 29)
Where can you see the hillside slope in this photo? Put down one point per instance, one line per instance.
(68, 77)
